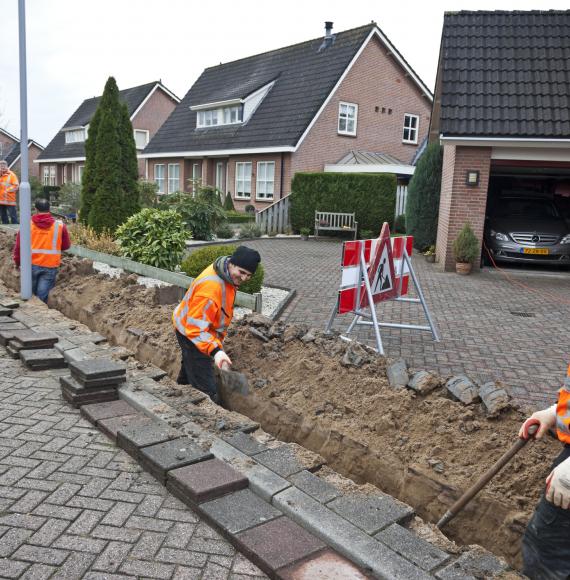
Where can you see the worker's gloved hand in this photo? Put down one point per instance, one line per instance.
(558, 485)
(545, 419)
(222, 360)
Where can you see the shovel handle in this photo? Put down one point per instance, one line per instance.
(485, 478)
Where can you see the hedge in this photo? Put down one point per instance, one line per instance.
(234, 217)
(371, 196)
(200, 259)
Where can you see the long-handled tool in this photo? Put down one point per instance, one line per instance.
(485, 478)
(231, 381)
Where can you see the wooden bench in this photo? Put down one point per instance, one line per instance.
(339, 222)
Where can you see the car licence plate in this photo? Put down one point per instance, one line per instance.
(542, 251)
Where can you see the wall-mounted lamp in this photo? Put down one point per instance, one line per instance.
(472, 177)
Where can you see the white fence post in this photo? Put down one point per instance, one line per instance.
(401, 197)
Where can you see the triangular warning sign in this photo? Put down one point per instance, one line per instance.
(381, 272)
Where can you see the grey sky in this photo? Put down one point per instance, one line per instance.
(74, 45)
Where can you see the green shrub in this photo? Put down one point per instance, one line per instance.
(148, 193)
(400, 224)
(228, 203)
(154, 237)
(209, 194)
(366, 234)
(201, 214)
(371, 196)
(250, 209)
(70, 195)
(83, 235)
(466, 245)
(199, 260)
(304, 231)
(422, 204)
(250, 230)
(235, 217)
(225, 231)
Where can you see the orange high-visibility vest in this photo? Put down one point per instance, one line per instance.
(46, 245)
(8, 187)
(563, 411)
(206, 311)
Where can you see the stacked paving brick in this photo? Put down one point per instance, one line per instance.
(92, 381)
(35, 349)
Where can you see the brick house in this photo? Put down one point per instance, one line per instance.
(10, 152)
(502, 113)
(246, 127)
(63, 160)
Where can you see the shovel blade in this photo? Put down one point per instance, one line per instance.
(232, 381)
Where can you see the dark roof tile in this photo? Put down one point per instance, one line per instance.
(506, 74)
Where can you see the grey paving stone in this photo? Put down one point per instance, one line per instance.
(424, 382)
(245, 443)
(346, 538)
(463, 389)
(161, 458)
(133, 438)
(38, 572)
(30, 339)
(7, 320)
(100, 411)
(316, 487)
(371, 513)
(12, 569)
(281, 460)
(205, 481)
(397, 373)
(12, 540)
(143, 568)
(41, 555)
(40, 359)
(325, 564)
(10, 331)
(97, 369)
(73, 355)
(406, 543)
(91, 398)
(238, 511)
(472, 565)
(277, 543)
(111, 426)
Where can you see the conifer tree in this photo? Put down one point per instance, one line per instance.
(88, 182)
(129, 167)
(422, 204)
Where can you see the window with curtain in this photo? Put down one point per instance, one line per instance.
(243, 180)
(159, 177)
(173, 177)
(265, 180)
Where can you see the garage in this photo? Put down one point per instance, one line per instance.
(502, 114)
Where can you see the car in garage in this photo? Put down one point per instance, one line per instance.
(523, 228)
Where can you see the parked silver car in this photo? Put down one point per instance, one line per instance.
(527, 229)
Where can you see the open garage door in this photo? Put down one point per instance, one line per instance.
(528, 213)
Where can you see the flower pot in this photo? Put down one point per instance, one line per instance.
(430, 258)
(463, 268)
(304, 237)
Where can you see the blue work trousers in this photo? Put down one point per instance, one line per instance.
(43, 280)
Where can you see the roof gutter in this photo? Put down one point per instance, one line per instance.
(218, 152)
(506, 141)
(371, 168)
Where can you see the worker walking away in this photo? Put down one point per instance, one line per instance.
(48, 238)
(201, 320)
(546, 543)
(8, 188)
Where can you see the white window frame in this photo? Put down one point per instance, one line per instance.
(223, 116)
(240, 192)
(49, 174)
(411, 130)
(196, 176)
(262, 183)
(147, 137)
(75, 136)
(220, 176)
(173, 181)
(346, 118)
(63, 174)
(160, 180)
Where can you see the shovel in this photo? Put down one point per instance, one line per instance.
(231, 381)
(485, 478)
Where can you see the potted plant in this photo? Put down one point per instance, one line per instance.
(304, 233)
(430, 254)
(466, 250)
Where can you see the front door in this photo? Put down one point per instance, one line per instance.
(220, 176)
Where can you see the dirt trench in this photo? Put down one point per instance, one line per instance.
(424, 450)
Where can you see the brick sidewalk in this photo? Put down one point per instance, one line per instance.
(480, 335)
(72, 505)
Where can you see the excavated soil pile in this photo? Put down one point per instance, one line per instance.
(334, 398)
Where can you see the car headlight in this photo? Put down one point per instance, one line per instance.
(499, 236)
(565, 239)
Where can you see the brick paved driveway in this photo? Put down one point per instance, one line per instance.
(72, 505)
(480, 335)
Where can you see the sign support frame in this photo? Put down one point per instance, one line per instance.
(371, 318)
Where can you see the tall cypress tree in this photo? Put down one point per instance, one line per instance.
(129, 166)
(88, 183)
(422, 204)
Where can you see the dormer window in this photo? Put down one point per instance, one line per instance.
(221, 116)
(75, 136)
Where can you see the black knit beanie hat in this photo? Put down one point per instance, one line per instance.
(246, 258)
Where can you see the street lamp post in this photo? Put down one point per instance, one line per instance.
(25, 192)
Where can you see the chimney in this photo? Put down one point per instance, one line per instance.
(329, 36)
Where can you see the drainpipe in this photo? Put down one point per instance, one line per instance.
(281, 177)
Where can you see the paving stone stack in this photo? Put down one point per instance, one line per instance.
(93, 381)
(35, 349)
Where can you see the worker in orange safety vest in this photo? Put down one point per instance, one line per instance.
(48, 238)
(546, 543)
(201, 320)
(8, 188)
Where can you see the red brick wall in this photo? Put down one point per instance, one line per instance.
(7, 143)
(461, 203)
(185, 171)
(33, 168)
(155, 111)
(375, 80)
